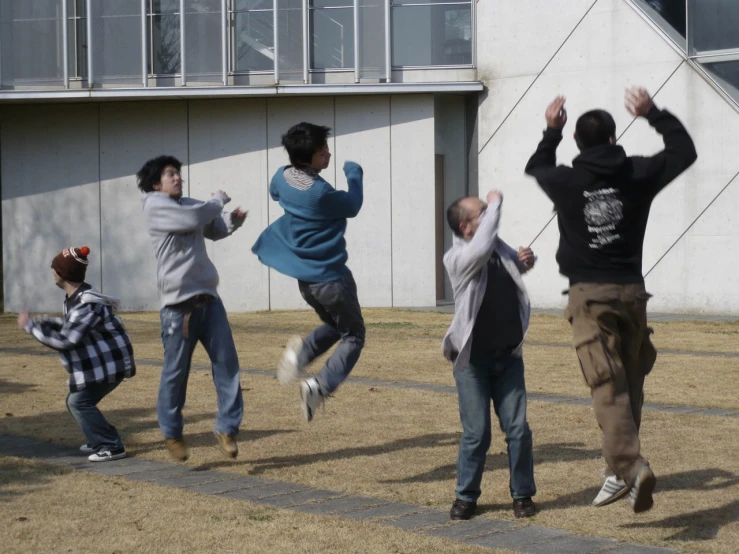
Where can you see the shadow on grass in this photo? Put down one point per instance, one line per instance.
(279, 462)
(18, 473)
(545, 453)
(700, 525)
(8, 387)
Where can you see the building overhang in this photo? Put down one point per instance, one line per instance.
(179, 93)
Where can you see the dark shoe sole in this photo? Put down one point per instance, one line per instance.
(460, 518)
(644, 500)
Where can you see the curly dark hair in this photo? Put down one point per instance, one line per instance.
(151, 173)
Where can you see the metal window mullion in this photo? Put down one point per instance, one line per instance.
(183, 67)
(276, 49)
(144, 34)
(65, 43)
(224, 42)
(356, 41)
(90, 74)
(687, 28)
(388, 44)
(306, 42)
(473, 25)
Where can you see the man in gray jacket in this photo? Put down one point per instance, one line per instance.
(485, 343)
(191, 309)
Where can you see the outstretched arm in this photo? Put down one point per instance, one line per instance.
(543, 163)
(226, 225)
(169, 216)
(679, 152)
(70, 334)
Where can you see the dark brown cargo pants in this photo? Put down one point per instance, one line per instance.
(611, 337)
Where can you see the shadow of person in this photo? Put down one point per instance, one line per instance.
(700, 525)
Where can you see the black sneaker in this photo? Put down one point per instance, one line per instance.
(106, 454)
(524, 507)
(461, 509)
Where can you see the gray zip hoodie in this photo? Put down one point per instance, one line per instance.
(178, 229)
(466, 263)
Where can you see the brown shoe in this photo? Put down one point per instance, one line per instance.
(227, 444)
(177, 449)
(524, 507)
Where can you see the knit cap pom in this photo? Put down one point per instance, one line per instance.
(84, 251)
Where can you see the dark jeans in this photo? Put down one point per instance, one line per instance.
(500, 378)
(83, 407)
(208, 324)
(337, 305)
(611, 338)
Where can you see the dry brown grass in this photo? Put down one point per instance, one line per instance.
(401, 444)
(113, 515)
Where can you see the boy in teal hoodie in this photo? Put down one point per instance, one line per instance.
(307, 243)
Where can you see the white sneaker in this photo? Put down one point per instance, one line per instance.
(613, 489)
(288, 371)
(640, 495)
(108, 455)
(87, 449)
(311, 397)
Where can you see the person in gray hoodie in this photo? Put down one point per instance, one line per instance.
(191, 308)
(94, 347)
(484, 342)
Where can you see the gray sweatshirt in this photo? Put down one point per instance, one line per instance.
(466, 263)
(178, 229)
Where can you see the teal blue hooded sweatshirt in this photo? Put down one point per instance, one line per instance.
(307, 242)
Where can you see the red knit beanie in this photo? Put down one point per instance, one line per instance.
(71, 264)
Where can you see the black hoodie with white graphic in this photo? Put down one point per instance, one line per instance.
(603, 200)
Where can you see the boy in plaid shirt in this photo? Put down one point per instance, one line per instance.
(94, 347)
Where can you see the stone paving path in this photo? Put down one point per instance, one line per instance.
(412, 385)
(480, 531)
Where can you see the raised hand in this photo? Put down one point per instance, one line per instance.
(494, 195)
(638, 102)
(238, 216)
(556, 115)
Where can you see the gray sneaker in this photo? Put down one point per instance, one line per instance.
(311, 397)
(288, 371)
(640, 495)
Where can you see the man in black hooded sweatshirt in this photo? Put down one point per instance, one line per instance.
(602, 204)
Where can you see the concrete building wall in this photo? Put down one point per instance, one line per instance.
(591, 51)
(68, 178)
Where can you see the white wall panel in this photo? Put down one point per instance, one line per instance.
(50, 198)
(130, 134)
(412, 142)
(228, 151)
(363, 136)
(281, 115)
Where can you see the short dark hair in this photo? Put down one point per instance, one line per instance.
(151, 173)
(303, 140)
(594, 128)
(456, 214)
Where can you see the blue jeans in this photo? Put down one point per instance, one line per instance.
(337, 305)
(500, 377)
(83, 407)
(209, 325)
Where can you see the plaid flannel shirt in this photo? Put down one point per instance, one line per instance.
(91, 340)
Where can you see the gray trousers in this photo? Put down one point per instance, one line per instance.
(337, 305)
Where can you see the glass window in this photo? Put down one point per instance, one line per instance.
(253, 37)
(290, 39)
(77, 39)
(714, 25)
(371, 38)
(332, 34)
(116, 41)
(203, 40)
(32, 42)
(726, 74)
(164, 24)
(432, 35)
(670, 15)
